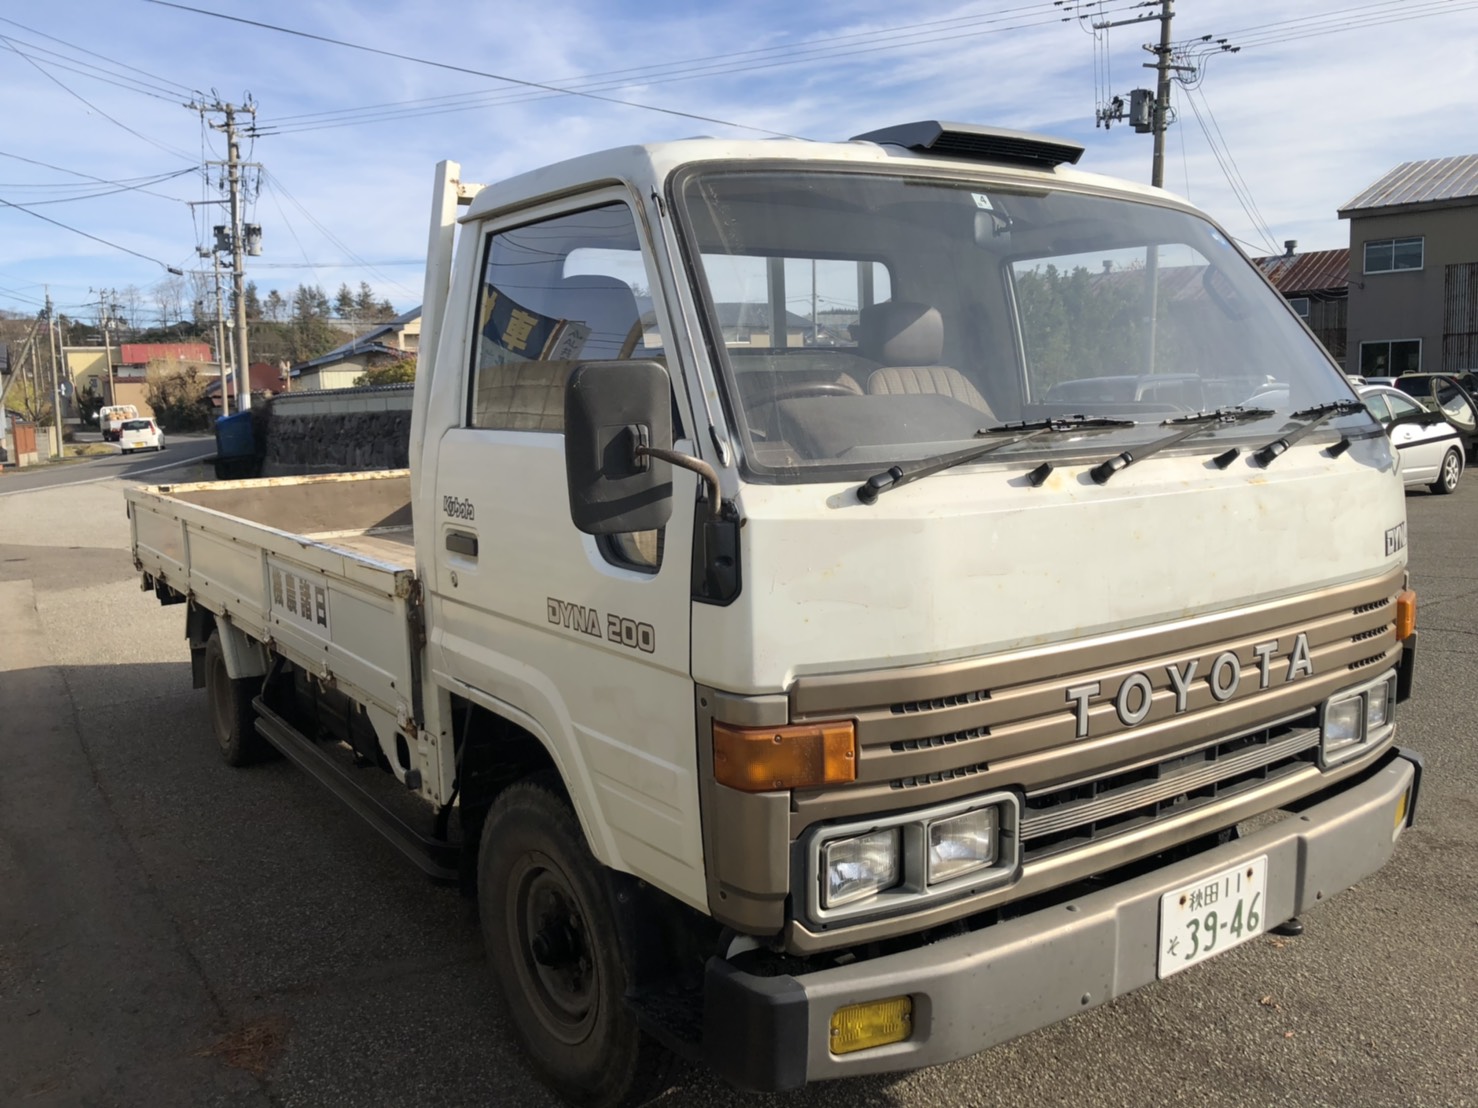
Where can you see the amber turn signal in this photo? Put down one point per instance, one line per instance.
(797, 756)
(1405, 614)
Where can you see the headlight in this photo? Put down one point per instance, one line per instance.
(1356, 719)
(963, 843)
(861, 867)
(1342, 721)
(1377, 707)
(903, 861)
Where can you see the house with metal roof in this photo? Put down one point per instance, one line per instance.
(1316, 285)
(394, 341)
(1414, 269)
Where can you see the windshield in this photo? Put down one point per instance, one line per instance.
(862, 318)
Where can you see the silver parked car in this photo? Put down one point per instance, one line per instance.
(1430, 448)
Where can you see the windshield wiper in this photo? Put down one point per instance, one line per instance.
(894, 476)
(1315, 416)
(1057, 423)
(1190, 426)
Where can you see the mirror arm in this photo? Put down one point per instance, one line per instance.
(692, 465)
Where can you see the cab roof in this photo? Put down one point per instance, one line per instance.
(994, 153)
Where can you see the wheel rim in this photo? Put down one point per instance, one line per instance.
(1450, 471)
(551, 949)
(217, 680)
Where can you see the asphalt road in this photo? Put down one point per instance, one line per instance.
(180, 450)
(175, 932)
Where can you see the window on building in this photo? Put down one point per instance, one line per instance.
(1390, 359)
(1300, 305)
(1390, 255)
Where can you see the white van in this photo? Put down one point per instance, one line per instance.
(111, 417)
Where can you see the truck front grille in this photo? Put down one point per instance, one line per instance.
(1066, 817)
(936, 733)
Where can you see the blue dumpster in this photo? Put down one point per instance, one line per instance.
(235, 446)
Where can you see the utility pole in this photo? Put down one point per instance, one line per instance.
(56, 380)
(1147, 113)
(1162, 93)
(237, 236)
(105, 322)
(238, 291)
(223, 357)
(1159, 118)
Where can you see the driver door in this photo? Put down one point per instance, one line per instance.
(582, 641)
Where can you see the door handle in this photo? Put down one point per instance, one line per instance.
(462, 542)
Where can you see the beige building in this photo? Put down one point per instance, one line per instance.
(340, 367)
(1413, 303)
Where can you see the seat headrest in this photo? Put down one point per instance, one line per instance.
(604, 304)
(898, 333)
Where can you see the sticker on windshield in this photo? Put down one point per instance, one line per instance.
(982, 201)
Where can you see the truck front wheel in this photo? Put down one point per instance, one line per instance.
(232, 719)
(551, 937)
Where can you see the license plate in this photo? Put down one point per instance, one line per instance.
(1212, 914)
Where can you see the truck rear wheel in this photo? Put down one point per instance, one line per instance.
(232, 719)
(551, 937)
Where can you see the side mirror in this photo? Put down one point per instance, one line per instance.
(611, 408)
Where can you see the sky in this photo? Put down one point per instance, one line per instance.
(1318, 101)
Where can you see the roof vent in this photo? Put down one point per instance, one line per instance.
(976, 143)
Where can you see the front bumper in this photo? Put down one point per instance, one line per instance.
(978, 990)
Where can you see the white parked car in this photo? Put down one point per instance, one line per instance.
(140, 434)
(1430, 448)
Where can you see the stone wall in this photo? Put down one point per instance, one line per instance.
(335, 431)
(336, 443)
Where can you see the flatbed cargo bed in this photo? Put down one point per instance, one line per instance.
(321, 568)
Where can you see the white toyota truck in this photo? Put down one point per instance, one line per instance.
(851, 604)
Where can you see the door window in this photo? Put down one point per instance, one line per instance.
(1375, 403)
(556, 294)
(1402, 407)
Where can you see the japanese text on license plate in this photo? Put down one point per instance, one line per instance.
(1212, 914)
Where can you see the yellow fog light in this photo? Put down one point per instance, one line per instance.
(876, 1023)
(1396, 830)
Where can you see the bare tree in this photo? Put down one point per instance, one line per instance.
(202, 296)
(169, 298)
(132, 301)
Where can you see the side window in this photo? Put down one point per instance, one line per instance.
(1402, 407)
(556, 294)
(1375, 403)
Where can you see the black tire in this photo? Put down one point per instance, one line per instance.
(1447, 476)
(540, 889)
(232, 718)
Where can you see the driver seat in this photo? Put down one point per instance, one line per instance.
(907, 340)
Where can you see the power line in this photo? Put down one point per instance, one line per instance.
(1245, 201)
(84, 234)
(132, 84)
(277, 185)
(113, 191)
(465, 69)
(101, 57)
(78, 173)
(504, 97)
(802, 50)
(77, 95)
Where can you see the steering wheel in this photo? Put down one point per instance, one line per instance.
(816, 388)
